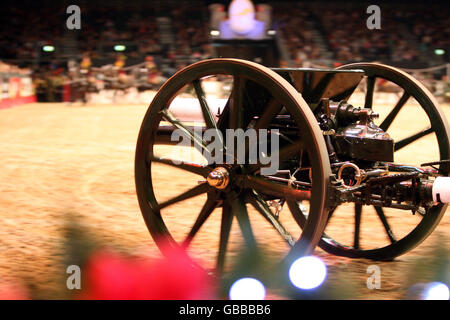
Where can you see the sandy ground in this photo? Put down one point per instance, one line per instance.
(59, 160)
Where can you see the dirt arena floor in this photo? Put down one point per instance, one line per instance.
(59, 160)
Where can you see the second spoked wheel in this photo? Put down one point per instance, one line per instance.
(220, 190)
(421, 134)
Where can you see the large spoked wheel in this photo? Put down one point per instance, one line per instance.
(421, 134)
(227, 188)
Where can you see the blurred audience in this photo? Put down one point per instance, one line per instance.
(311, 32)
(291, 22)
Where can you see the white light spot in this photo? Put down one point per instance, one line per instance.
(271, 32)
(307, 272)
(48, 48)
(247, 289)
(119, 47)
(436, 291)
(214, 33)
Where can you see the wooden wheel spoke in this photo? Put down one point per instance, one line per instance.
(240, 211)
(261, 206)
(236, 114)
(210, 121)
(356, 234)
(199, 143)
(188, 166)
(285, 152)
(225, 227)
(270, 111)
(205, 212)
(330, 214)
(273, 188)
(369, 93)
(193, 192)
(406, 141)
(387, 227)
(391, 116)
(292, 149)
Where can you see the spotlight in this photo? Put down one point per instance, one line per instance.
(247, 289)
(214, 33)
(439, 52)
(307, 272)
(271, 32)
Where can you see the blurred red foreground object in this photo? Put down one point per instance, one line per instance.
(111, 276)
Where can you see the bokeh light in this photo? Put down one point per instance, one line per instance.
(436, 291)
(307, 272)
(48, 48)
(119, 47)
(247, 289)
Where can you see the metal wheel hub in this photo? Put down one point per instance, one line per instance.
(218, 178)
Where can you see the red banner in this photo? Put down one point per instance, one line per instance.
(15, 91)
